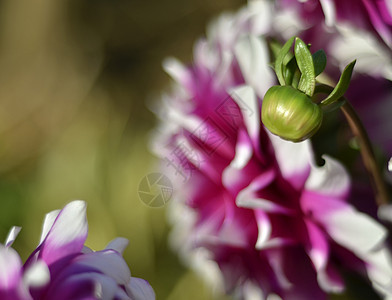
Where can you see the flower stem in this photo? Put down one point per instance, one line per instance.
(367, 153)
(365, 146)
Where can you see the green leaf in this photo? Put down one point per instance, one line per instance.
(342, 85)
(279, 63)
(305, 63)
(319, 61)
(333, 106)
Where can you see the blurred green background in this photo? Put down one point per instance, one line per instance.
(75, 78)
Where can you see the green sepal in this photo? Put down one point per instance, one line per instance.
(319, 61)
(279, 63)
(291, 73)
(342, 85)
(305, 63)
(275, 48)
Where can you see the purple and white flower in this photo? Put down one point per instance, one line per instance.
(257, 209)
(61, 267)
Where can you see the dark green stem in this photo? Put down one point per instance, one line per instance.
(366, 149)
(367, 153)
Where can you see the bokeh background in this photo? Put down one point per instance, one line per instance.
(75, 80)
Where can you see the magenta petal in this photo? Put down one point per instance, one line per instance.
(10, 268)
(11, 285)
(318, 249)
(68, 233)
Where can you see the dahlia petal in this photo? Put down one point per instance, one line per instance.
(260, 17)
(384, 212)
(106, 287)
(265, 228)
(86, 250)
(249, 199)
(205, 56)
(245, 96)
(331, 179)
(220, 31)
(260, 182)
(379, 268)
(223, 69)
(353, 44)
(329, 10)
(330, 280)
(232, 233)
(12, 236)
(67, 234)
(276, 261)
(318, 251)
(293, 159)
(263, 204)
(80, 286)
(354, 230)
(10, 269)
(377, 22)
(232, 175)
(252, 291)
(252, 55)
(177, 71)
(48, 223)
(36, 275)
(118, 244)
(140, 289)
(243, 151)
(109, 262)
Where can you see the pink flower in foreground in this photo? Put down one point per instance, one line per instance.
(63, 268)
(257, 207)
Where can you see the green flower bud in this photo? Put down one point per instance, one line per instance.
(290, 113)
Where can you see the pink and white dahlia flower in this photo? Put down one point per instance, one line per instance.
(61, 267)
(256, 208)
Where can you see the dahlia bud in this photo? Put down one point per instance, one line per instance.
(290, 113)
